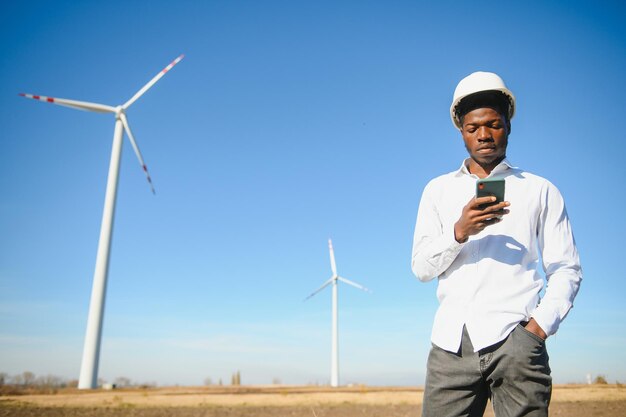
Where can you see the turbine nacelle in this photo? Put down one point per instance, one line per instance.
(335, 277)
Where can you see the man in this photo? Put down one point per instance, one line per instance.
(488, 337)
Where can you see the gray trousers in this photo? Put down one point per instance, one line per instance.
(514, 373)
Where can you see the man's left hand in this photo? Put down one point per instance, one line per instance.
(533, 327)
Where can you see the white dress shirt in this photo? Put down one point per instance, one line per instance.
(491, 282)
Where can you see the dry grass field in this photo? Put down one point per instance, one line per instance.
(568, 400)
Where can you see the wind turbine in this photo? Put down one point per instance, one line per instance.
(91, 352)
(334, 366)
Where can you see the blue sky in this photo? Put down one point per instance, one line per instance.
(288, 122)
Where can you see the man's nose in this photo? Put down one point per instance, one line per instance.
(484, 134)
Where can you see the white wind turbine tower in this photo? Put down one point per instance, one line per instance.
(91, 352)
(334, 366)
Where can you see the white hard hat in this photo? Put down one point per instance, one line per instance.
(475, 83)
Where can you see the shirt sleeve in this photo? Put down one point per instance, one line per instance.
(561, 262)
(434, 245)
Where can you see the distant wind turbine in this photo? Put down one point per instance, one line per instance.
(91, 352)
(334, 367)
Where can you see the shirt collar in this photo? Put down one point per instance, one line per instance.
(500, 168)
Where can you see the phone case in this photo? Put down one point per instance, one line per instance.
(491, 186)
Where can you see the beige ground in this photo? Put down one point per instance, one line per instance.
(569, 400)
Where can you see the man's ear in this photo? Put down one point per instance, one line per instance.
(508, 125)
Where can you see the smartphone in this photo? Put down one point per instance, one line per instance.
(490, 187)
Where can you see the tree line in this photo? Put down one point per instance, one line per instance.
(28, 380)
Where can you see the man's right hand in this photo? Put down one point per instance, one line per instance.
(475, 218)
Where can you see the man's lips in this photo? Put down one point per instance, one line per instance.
(486, 149)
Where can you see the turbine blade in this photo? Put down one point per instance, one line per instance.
(333, 265)
(136, 148)
(151, 82)
(326, 284)
(354, 284)
(74, 104)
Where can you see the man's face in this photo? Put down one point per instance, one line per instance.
(485, 133)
